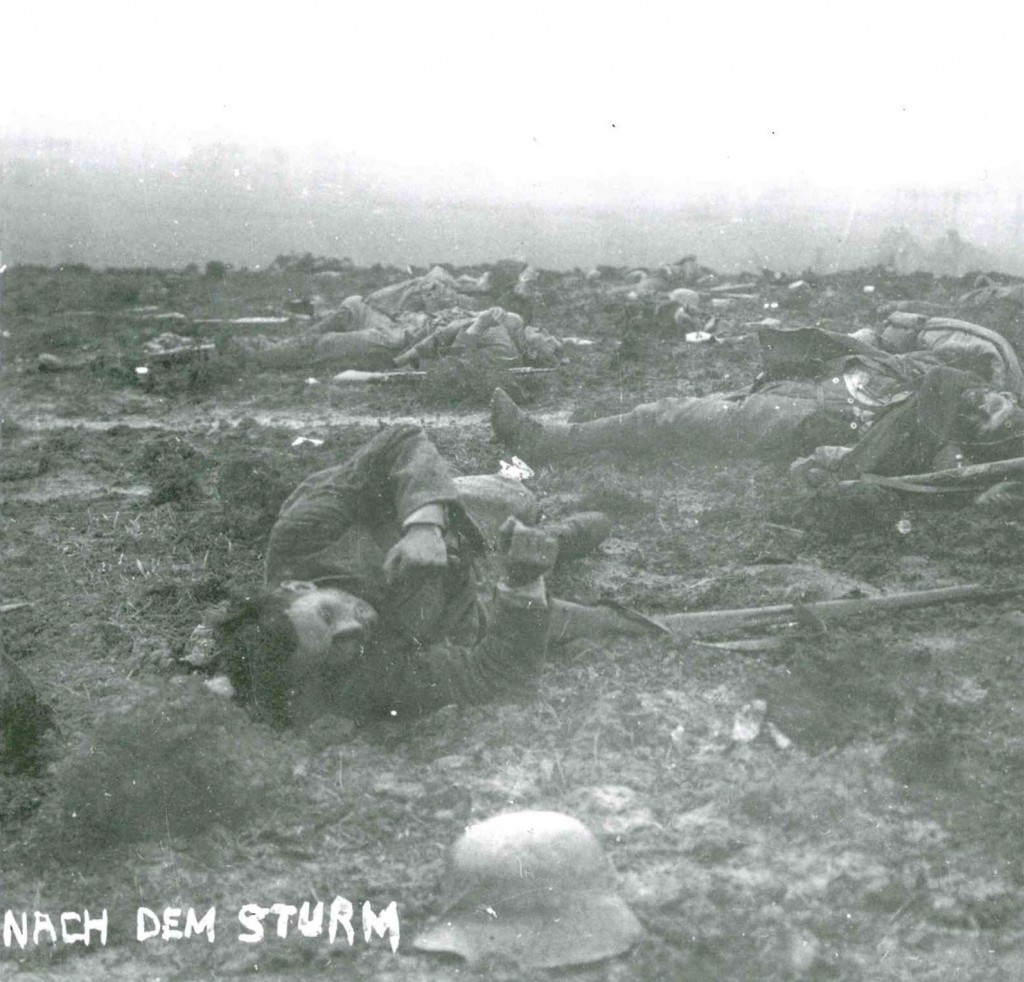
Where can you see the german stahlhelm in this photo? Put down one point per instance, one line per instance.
(535, 887)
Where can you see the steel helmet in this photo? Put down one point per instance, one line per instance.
(533, 886)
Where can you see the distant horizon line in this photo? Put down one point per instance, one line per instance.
(391, 178)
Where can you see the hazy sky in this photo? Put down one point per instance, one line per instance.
(574, 102)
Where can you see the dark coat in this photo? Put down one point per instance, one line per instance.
(336, 529)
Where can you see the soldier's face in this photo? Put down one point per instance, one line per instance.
(997, 413)
(324, 617)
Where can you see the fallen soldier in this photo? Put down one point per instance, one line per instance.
(496, 334)
(358, 336)
(430, 293)
(818, 389)
(371, 602)
(987, 290)
(354, 336)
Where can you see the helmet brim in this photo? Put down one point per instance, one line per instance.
(579, 929)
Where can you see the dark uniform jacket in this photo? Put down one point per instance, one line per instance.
(336, 529)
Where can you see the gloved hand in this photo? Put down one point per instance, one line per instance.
(529, 553)
(421, 548)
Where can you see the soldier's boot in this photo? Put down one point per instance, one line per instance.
(579, 534)
(545, 442)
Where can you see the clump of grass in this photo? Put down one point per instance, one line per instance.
(10, 429)
(25, 464)
(174, 763)
(251, 490)
(120, 290)
(842, 513)
(203, 378)
(67, 441)
(614, 493)
(172, 466)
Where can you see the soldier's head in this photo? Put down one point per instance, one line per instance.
(990, 416)
(286, 647)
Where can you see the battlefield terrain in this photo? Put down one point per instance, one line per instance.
(840, 802)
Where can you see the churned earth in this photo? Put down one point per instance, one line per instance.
(841, 802)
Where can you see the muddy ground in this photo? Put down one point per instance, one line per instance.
(884, 842)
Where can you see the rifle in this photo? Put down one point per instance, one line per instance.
(571, 620)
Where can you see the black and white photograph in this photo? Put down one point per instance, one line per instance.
(514, 491)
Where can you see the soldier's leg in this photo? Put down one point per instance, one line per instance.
(764, 425)
(638, 431)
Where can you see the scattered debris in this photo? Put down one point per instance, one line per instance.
(199, 649)
(353, 376)
(732, 288)
(168, 348)
(252, 321)
(175, 316)
(12, 605)
(50, 363)
(220, 685)
(517, 470)
(779, 738)
(751, 722)
(746, 724)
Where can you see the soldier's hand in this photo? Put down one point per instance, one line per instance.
(421, 548)
(528, 552)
